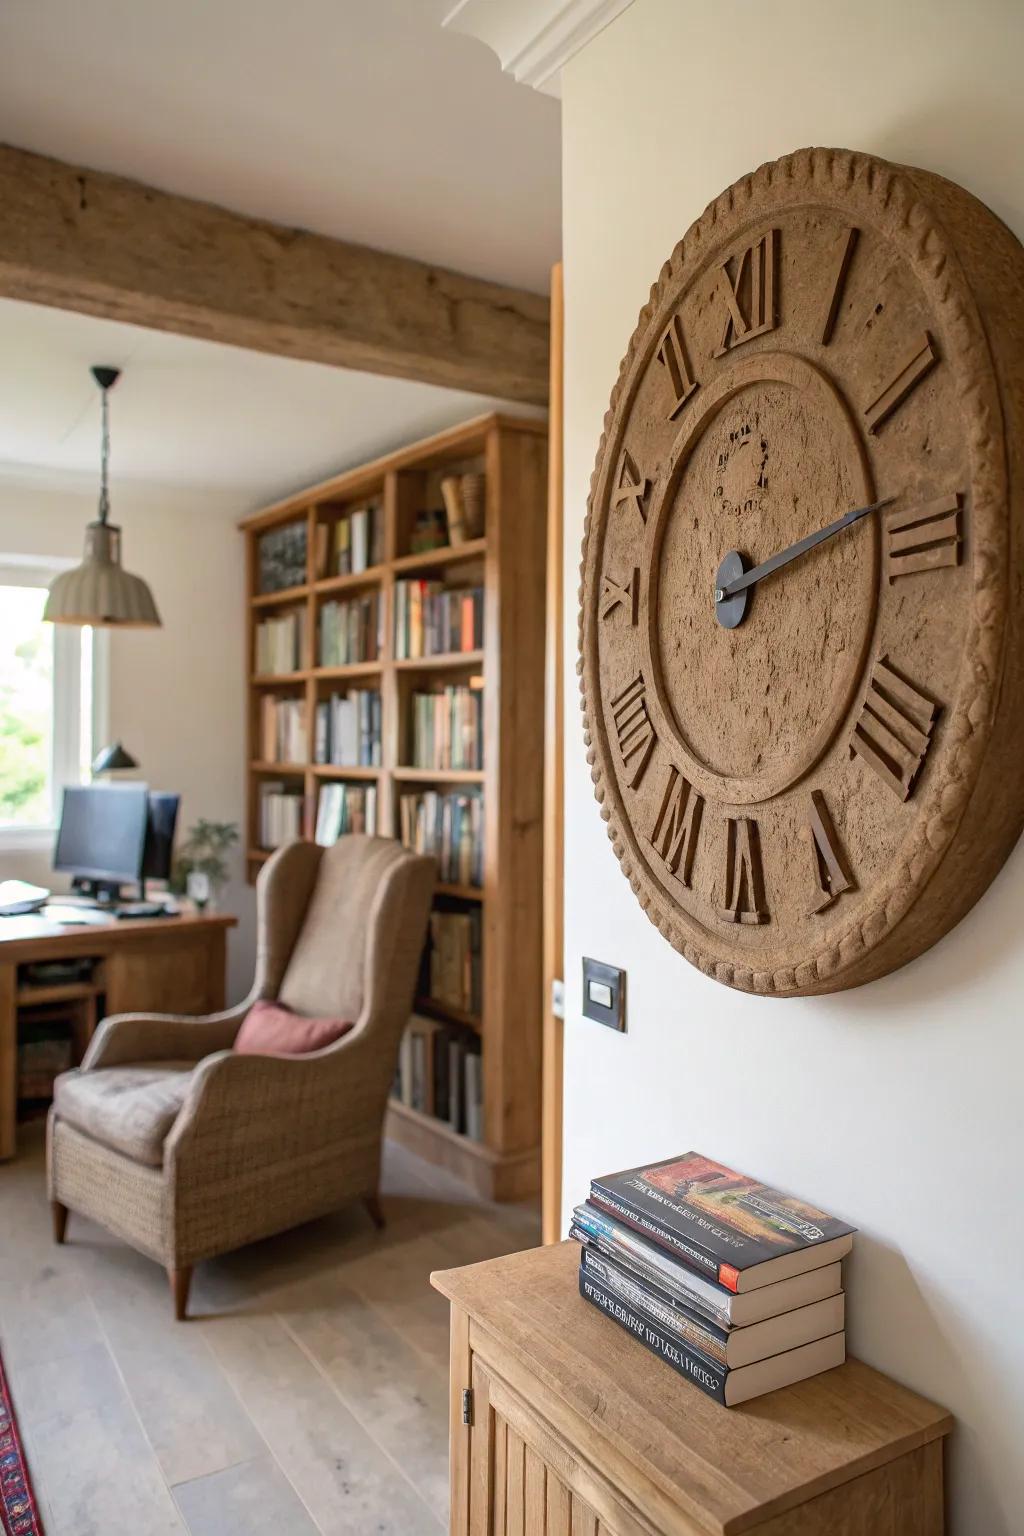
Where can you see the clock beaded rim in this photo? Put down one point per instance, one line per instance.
(851, 182)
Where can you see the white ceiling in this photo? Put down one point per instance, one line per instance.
(361, 119)
(193, 413)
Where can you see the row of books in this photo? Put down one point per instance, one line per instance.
(352, 544)
(447, 728)
(281, 558)
(279, 643)
(449, 826)
(280, 814)
(453, 970)
(344, 808)
(282, 730)
(733, 1283)
(350, 631)
(434, 620)
(346, 729)
(440, 1074)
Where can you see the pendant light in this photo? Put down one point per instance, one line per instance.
(98, 591)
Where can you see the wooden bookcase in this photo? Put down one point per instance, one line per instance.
(510, 558)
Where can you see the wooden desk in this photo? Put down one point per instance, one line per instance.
(573, 1427)
(159, 965)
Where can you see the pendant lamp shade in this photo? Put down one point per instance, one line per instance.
(99, 592)
(113, 759)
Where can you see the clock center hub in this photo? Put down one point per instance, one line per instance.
(772, 456)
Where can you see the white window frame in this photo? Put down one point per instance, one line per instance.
(65, 736)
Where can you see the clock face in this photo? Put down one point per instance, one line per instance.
(796, 602)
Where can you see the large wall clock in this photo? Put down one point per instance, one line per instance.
(800, 631)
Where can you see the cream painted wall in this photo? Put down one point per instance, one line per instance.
(175, 696)
(898, 1105)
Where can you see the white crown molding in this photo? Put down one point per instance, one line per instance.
(534, 38)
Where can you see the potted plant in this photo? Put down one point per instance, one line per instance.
(201, 868)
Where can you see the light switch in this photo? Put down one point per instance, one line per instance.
(604, 994)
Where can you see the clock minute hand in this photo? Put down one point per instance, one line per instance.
(794, 551)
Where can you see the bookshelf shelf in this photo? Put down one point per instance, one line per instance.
(277, 679)
(463, 892)
(449, 661)
(354, 670)
(434, 559)
(435, 1009)
(441, 775)
(284, 596)
(340, 771)
(327, 586)
(508, 564)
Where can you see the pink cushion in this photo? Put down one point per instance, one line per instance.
(268, 1029)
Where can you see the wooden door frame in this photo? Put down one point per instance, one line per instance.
(554, 845)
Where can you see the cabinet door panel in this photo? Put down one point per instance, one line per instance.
(513, 1491)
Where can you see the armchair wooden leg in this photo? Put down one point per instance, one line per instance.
(181, 1280)
(60, 1220)
(374, 1210)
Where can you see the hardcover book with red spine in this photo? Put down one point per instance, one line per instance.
(734, 1229)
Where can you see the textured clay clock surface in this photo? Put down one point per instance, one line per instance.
(809, 782)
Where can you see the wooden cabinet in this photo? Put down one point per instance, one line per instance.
(561, 1425)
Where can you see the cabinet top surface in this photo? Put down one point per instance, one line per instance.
(728, 1469)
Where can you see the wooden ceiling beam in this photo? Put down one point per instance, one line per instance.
(101, 245)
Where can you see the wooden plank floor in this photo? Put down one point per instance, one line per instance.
(307, 1393)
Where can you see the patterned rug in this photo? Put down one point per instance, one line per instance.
(18, 1513)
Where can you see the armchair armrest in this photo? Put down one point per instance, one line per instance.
(253, 1111)
(134, 1037)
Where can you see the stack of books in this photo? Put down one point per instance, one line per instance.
(448, 826)
(454, 971)
(347, 729)
(733, 1283)
(439, 1074)
(344, 808)
(350, 631)
(447, 728)
(434, 620)
(282, 730)
(279, 644)
(280, 815)
(353, 545)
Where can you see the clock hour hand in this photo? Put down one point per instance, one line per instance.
(741, 581)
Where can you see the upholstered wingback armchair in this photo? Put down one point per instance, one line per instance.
(187, 1149)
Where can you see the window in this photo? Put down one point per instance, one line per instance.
(47, 704)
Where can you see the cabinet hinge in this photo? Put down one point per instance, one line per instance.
(467, 1405)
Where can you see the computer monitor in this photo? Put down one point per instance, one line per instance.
(161, 820)
(102, 835)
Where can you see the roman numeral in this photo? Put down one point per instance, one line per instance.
(753, 287)
(677, 828)
(744, 879)
(920, 362)
(923, 538)
(633, 729)
(894, 730)
(630, 485)
(672, 355)
(845, 247)
(831, 870)
(628, 595)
